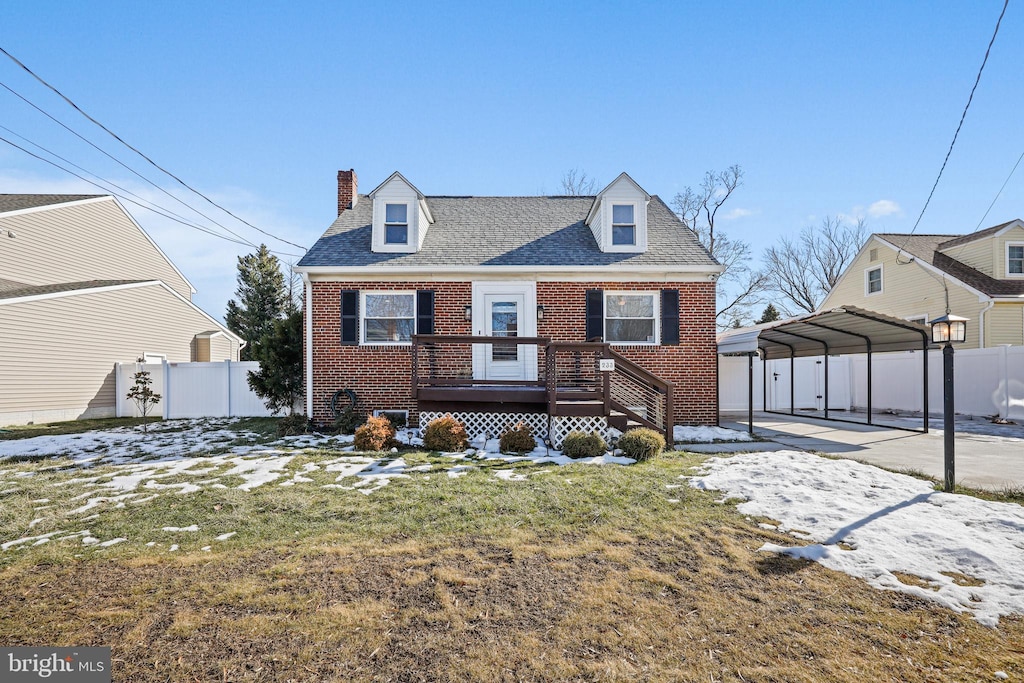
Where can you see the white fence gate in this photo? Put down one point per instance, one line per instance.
(193, 389)
(986, 381)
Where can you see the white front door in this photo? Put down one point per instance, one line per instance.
(507, 311)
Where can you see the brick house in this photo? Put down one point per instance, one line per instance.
(610, 299)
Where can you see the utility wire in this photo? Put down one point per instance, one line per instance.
(157, 211)
(114, 159)
(998, 194)
(150, 161)
(98, 177)
(959, 126)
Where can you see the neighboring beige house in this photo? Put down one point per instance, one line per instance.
(981, 275)
(82, 287)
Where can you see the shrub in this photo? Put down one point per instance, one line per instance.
(445, 434)
(583, 445)
(517, 439)
(376, 435)
(347, 421)
(641, 444)
(293, 425)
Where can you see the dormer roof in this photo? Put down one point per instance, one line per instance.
(622, 177)
(419, 195)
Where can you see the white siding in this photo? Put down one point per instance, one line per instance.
(908, 290)
(59, 353)
(95, 240)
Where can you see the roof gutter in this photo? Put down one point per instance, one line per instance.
(981, 323)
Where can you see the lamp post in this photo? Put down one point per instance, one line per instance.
(947, 330)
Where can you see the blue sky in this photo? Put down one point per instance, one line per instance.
(830, 108)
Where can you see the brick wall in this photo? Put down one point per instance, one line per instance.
(380, 375)
(691, 366)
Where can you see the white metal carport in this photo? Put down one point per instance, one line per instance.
(840, 330)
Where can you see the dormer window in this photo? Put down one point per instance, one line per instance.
(401, 217)
(618, 217)
(396, 224)
(623, 225)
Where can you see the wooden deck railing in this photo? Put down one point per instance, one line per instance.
(569, 372)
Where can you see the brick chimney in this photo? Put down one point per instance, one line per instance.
(347, 190)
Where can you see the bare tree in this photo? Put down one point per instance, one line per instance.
(805, 270)
(739, 286)
(577, 183)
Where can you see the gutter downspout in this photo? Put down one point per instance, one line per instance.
(981, 323)
(307, 320)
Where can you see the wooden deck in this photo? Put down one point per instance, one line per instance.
(570, 383)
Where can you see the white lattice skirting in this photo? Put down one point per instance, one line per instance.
(492, 424)
(562, 425)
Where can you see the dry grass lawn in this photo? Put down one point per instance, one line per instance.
(579, 574)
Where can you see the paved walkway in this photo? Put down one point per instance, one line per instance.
(988, 456)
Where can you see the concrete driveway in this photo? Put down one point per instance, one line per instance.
(988, 456)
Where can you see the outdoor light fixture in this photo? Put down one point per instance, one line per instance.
(540, 312)
(467, 312)
(947, 330)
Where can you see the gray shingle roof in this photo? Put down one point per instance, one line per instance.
(926, 248)
(34, 290)
(16, 202)
(507, 231)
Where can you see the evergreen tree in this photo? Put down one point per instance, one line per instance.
(769, 315)
(262, 298)
(279, 352)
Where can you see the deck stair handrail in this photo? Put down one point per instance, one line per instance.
(569, 374)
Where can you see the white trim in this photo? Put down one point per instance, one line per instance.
(981, 323)
(655, 307)
(362, 315)
(867, 280)
(1006, 265)
(210, 335)
(95, 200)
(554, 273)
(45, 207)
(307, 304)
(917, 318)
(155, 245)
(110, 288)
(938, 271)
(73, 292)
(600, 195)
(529, 320)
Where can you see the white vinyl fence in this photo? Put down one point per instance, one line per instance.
(986, 382)
(193, 389)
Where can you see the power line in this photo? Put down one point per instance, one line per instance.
(998, 194)
(158, 211)
(959, 126)
(112, 158)
(98, 177)
(150, 161)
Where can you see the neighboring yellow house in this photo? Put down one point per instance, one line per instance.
(82, 287)
(979, 276)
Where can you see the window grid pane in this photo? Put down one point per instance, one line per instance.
(1016, 260)
(396, 213)
(396, 234)
(630, 318)
(623, 234)
(389, 318)
(622, 214)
